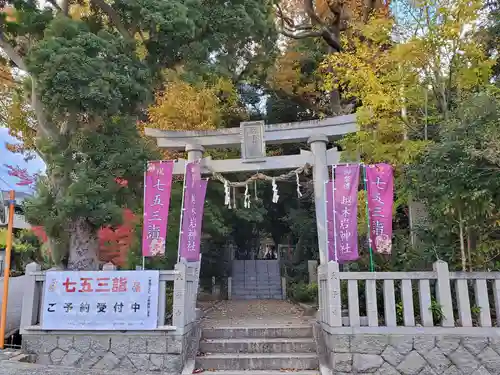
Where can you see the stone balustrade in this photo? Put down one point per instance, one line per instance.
(435, 322)
(167, 348)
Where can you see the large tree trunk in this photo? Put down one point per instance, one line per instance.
(83, 246)
(335, 106)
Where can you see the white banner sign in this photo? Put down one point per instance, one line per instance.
(100, 300)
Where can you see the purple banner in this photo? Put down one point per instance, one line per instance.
(194, 202)
(346, 212)
(329, 221)
(380, 186)
(157, 189)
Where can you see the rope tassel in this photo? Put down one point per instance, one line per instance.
(227, 194)
(299, 193)
(246, 202)
(276, 197)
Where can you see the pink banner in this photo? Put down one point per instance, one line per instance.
(346, 212)
(157, 189)
(192, 218)
(342, 214)
(329, 221)
(380, 186)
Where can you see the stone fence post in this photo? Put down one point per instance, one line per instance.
(443, 292)
(180, 295)
(333, 300)
(109, 267)
(31, 298)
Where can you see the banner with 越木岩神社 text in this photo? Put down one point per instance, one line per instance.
(342, 213)
(157, 189)
(100, 300)
(346, 183)
(194, 201)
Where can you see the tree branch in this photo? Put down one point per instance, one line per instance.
(46, 128)
(12, 54)
(65, 7)
(309, 8)
(55, 5)
(302, 35)
(113, 16)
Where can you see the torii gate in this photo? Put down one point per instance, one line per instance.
(252, 138)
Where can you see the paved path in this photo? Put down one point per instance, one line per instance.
(17, 368)
(254, 313)
(17, 285)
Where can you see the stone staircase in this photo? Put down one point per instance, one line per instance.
(258, 351)
(256, 279)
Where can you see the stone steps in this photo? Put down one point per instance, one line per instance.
(262, 332)
(258, 345)
(275, 296)
(258, 350)
(261, 372)
(259, 361)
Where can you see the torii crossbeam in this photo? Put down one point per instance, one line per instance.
(252, 137)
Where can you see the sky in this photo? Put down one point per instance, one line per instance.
(6, 157)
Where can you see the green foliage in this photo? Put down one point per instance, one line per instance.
(458, 180)
(86, 73)
(3, 237)
(93, 73)
(302, 292)
(437, 312)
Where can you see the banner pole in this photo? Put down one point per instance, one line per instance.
(144, 212)
(326, 219)
(365, 181)
(334, 214)
(8, 251)
(182, 213)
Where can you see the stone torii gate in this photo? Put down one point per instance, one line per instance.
(252, 137)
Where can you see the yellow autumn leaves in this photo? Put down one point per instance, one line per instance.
(187, 106)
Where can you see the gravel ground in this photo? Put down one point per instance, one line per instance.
(17, 368)
(255, 313)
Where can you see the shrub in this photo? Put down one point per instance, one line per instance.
(302, 292)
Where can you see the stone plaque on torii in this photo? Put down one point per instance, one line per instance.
(252, 137)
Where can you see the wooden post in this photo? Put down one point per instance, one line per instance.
(8, 250)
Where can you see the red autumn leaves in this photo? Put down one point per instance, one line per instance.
(114, 242)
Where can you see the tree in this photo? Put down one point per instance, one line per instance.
(459, 183)
(390, 77)
(326, 20)
(90, 77)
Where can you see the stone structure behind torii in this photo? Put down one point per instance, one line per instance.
(252, 137)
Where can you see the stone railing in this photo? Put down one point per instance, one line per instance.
(409, 322)
(436, 305)
(167, 348)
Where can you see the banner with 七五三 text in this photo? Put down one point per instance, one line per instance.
(100, 300)
(157, 189)
(380, 192)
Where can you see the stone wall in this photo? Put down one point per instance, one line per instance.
(428, 354)
(139, 352)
